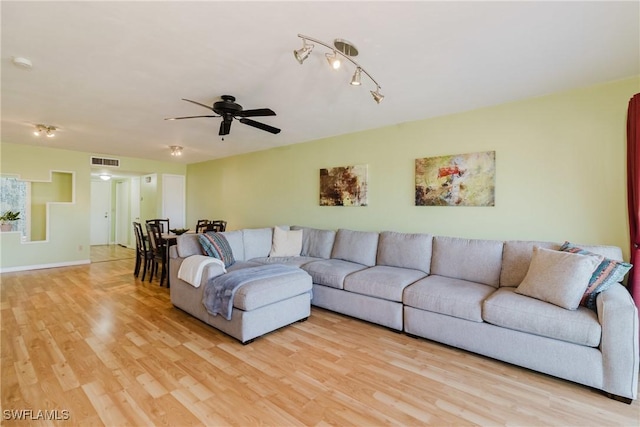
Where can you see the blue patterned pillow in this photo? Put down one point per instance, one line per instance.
(606, 274)
(216, 245)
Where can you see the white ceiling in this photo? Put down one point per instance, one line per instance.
(107, 73)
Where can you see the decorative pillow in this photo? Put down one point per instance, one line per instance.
(216, 245)
(557, 277)
(286, 243)
(606, 274)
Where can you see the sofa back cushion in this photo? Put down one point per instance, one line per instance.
(405, 250)
(257, 242)
(473, 260)
(315, 242)
(516, 258)
(356, 246)
(236, 241)
(188, 244)
(611, 252)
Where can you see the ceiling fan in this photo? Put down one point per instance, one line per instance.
(229, 110)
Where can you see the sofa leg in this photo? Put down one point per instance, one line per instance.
(303, 320)
(619, 398)
(248, 341)
(412, 336)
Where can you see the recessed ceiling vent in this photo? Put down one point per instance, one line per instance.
(102, 161)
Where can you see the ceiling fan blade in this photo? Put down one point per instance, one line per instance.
(197, 103)
(256, 113)
(259, 125)
(225, 127)
(188, 117)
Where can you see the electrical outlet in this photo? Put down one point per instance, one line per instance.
(80, 247)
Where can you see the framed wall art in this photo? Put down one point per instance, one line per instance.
(456, 180)
(343, 186)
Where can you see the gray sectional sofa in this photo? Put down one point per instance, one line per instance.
(460, 292)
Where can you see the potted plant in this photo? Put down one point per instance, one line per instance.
(7, 219)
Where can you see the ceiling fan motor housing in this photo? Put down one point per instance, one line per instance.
(227, 106)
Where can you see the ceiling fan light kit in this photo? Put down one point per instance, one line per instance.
(340, 48)
(50, 131)
(176, 150)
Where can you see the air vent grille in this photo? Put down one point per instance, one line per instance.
(103, 161)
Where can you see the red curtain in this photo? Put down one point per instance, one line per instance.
(633, 193)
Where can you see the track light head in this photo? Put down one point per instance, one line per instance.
(303, 53)
(333, 60)
(377, 96)
(355, 80)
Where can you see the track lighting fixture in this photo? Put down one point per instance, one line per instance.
(50, 131)
(340, 49)
(176, 150)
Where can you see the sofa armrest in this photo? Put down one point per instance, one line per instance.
(209, 271)
(618, 318)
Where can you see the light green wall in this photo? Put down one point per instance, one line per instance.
(69, 222)
(560, 162)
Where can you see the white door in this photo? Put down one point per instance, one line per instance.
(122, 213)
(100, 212)
(173, 200)
(135, 199)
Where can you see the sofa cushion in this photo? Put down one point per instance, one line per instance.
(296, 261)
(356, 246)
(606, 274)
(467, 259)
(382, 281)
(516, 257)
(331, 272)
(187, 244)
(265, 291)
(315, 242)
(236, 241)
(286, 243)
(405, 250)
(508, 309)
(560, 278)
(444, 295)
(257, 242)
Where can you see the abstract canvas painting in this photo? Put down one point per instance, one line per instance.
(456, 180)
(343, 186)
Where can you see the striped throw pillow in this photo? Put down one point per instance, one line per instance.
(606, 274)
(216, 245)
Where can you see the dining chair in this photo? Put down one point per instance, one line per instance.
(218, 225)
(143, 254)
(201, 225)
(158, 252)
(162, 223)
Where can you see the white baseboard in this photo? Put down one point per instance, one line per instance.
(43, 266)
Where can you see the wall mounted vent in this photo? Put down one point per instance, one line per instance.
(102, 161)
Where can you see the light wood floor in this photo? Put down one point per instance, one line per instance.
(96, 345)
(102, 253)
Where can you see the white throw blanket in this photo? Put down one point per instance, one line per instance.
(192, 267)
